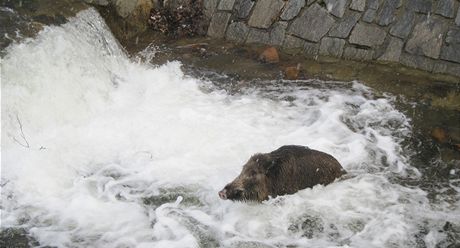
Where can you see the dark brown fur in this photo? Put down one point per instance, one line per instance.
(283, 171)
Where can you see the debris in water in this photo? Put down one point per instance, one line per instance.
(185, 20)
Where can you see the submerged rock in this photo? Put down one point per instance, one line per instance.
(292, 72)
(439, 134)
(269, 55)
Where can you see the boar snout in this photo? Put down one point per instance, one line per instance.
(230, 192)
(223, 194)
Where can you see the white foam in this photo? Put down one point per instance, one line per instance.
(106, 133)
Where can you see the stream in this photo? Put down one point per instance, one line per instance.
(103, 149)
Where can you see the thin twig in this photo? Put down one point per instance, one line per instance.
(22, 134)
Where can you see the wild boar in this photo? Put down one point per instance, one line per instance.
(283, 171)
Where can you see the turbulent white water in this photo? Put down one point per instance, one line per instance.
(101, 151)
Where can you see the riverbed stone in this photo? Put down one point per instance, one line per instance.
(367, 35)
(270, 55)
(457, 20)
(404, 25)
(277, 33)
(451, 52)
(243, 8)
(310, 49)
(426, 38)
(421, 6)
(265, 12)
(292, 9)
(237, 31)
(359, 54)
(369, 15)
(387, 13)
(445, 8)
(373, 4)
(312, 24)
(343, 28)
(393, 50)
(358, 5)
(226, 5)
(331, 47)
(293, 42)
(218, 24)
(258, 36)
(336, 7)
(416, 61)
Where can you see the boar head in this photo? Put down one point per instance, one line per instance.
(253, 182)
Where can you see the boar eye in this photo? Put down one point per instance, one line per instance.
(238, 193)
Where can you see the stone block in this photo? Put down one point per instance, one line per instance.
(421, 6)
(292, 9)
(353, 53)
(393, 50)
(453, 36)
(336, 7)
(369, 15)
(343, 28)
(237, 31)
(426, 38)
(416, 61)
(243, 8)
(293, 42)
(265, 12)
(387, 12)
(218, 24)
(258, 36)
(358, 5)
(445, 8)
(367, 35)
(226, 5)
(310, 49)
(277, 33)
(447, 68)
(404, 25)
(310, 2)
(457, 20)
(331, 47)
(312, 24)
(373, 4)
(209, 7)
(451, 52)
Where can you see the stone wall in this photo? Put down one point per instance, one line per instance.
(422, 34)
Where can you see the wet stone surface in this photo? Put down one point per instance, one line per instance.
(343, 28)
(424, 30)
(313, 24)
(404, 25)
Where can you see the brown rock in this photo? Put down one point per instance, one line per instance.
(292, 72)
(270, 55)
(457, 147)
(440, 135)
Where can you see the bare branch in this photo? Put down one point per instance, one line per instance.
(26, 145)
